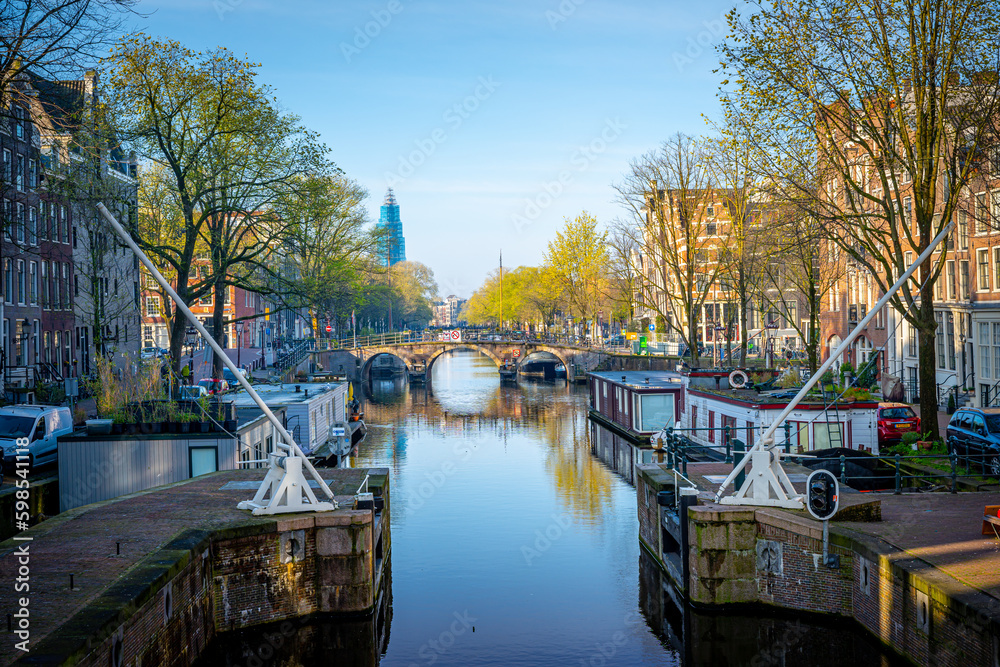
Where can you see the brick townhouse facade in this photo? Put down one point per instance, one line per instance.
(966, 300)
(772, 323)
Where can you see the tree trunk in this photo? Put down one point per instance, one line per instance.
(218, 321)
(744, 333)
(928, 365)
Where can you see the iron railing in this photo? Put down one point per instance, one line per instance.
(949, 470)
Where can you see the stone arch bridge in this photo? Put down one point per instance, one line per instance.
(427, 352)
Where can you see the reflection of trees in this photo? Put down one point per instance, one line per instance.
(582, 482)
(555, 412)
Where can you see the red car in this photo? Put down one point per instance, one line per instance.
(895, 419)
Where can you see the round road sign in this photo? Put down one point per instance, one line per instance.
(456, 335)
(516, 353)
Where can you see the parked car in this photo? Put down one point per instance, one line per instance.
(895, 419)
(214, 386)
(228, 376)
(149, 353)
(193, 392)
(41, 424)
(975, 433)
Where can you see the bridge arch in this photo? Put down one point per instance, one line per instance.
(461, 346)
(366, 367)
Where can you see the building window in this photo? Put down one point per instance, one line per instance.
(32, 226)
(951, 343)
(963, 280)
(32, 174)
(950, 284)
(21, 287)
(963, 230)
(982, 214)
(64, 288)
(45, 286)
(940, 338)
(19, 175)
(33, 283)
(983, 269)
(152, 306)
(912, 340)
(8, 169)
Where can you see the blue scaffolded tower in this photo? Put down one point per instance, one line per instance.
(393, 245)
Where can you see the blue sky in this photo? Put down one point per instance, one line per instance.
(494, 121)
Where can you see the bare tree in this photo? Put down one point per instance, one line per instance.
(52, 37)
(668, 194)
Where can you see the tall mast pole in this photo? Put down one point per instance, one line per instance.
(501, 290)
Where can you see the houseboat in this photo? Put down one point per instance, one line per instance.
(635, 404)
(814, 425)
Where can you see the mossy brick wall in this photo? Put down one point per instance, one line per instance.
(253, 586)
(888, 607)
(169, 607)
(883, 592)
(152, 636)
(805, 582)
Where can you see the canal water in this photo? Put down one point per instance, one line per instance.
(513, 544)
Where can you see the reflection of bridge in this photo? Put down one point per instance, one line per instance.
(416, 353)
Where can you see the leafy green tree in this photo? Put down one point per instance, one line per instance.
(872, 118)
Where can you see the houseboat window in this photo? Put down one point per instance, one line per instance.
(826, 432)
(799, 434)
(656, 411)
(203, 460)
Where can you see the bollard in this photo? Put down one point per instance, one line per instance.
(788, 437)
(843, 469)
(899, 476)
(729, 444)
(738, 451)
(71, 582)
(954, 471)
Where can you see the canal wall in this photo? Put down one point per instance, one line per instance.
(228, 572)
(761, 556)
(42, 502)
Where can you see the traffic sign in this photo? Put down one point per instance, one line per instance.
(516, 353)
(652, 328)
(631, 335)
(329, 328)
(456, 335)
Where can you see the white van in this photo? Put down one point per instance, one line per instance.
(41, 424)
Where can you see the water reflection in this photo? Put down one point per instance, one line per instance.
(514, 544)
(747, 638)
